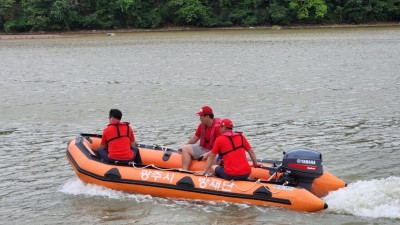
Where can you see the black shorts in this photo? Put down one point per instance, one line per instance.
(220, 172)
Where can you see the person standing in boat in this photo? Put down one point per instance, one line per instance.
(117, 140)
(207, 132)
(232, 146)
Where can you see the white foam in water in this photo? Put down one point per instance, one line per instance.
(77, 187)
(374, 198)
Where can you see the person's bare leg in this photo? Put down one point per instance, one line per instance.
(187, 154)
(212, 169)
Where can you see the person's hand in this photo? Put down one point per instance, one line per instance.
(205, 155)
(199, 173)
(256, 165)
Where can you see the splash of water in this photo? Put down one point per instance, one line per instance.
(77, 187)
(378, 198)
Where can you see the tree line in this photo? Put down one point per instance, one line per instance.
(63, 15)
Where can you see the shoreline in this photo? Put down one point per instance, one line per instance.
(111, 32)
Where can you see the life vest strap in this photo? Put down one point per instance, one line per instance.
(118, 132)
(234, 148)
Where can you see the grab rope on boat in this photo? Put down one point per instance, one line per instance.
(272, 176)
(158, 168)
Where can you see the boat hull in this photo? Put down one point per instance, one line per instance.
(175, 184)
(169, 158)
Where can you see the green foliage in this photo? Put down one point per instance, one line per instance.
(5, 7)
(124, 5)
(150, 16)
(15, 25)
(246, 12)
(278, 14)
(382, 10)
(6, 12)
(353, 11)
(62, 15)
(35, 15)
(309, 9)
(393, 8)
(192, 12)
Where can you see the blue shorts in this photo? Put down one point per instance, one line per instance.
(220, 172)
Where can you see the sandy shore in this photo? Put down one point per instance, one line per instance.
(49, 35)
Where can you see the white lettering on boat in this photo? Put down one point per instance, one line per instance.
(145, 174)
(215, 183)
(155, 175)
(281, 187)
(169, 177)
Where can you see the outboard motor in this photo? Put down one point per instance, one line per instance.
(300, 167)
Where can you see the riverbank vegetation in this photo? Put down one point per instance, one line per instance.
(64, 15)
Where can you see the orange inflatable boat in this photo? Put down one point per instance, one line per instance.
(295, 183)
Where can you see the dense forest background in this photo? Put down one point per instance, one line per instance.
(62, 15)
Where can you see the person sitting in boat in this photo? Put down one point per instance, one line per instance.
(232, 146)
(206, 132)
(117, 141)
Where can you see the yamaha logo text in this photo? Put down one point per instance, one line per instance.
(305, 161)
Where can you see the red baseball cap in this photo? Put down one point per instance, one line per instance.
(225, 123)
(205, 110)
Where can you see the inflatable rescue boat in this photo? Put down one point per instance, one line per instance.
(295, 183)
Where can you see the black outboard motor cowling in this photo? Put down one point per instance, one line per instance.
(302, 166)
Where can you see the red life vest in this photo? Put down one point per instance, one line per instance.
(230, 135)
(118, 132)
(212, 136)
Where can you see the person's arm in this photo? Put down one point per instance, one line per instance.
(132, 137)
(103, 143)
(210, 161)
(253, 158)
(193, 139)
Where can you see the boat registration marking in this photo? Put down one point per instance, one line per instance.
(281, 187)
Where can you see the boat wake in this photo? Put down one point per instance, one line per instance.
(378, 198)
(77, 187)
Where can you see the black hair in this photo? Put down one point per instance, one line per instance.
(209, 115)
(116, 113)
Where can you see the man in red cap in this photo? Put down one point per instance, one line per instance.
(207, 132)
(232, 146)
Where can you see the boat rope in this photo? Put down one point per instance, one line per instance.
(254, 184)
(272, 176)
(158, 168)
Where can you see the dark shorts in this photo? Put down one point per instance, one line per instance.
(220, 172)
(103, 153)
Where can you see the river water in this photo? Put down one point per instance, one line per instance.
(336, 91)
